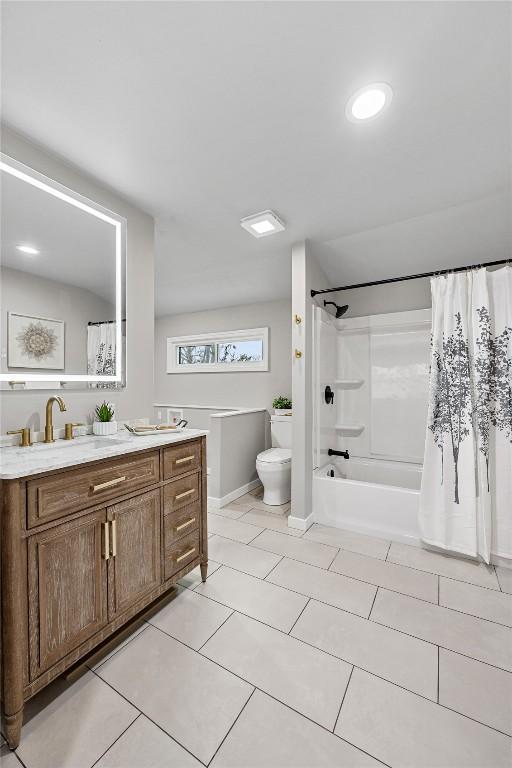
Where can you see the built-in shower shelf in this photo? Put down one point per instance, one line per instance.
(349, 383)
(350, 429)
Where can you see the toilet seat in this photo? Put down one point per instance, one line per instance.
(275, 456)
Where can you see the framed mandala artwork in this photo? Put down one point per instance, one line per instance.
(35, 342)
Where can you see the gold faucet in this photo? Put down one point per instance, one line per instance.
(48, 430)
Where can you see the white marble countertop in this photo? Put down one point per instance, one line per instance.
(18, 462)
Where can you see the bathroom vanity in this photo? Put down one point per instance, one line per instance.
(92, 533)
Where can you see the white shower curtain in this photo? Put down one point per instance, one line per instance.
(101, 352)
(466, 490)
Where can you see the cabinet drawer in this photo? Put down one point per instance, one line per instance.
(181, 458)
(180, 493)
(66, 492)
(180, 523)
(181, 553)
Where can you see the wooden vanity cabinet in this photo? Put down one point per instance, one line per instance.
(84, 551)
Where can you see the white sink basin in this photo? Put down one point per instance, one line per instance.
(88, 442)
(96, 443)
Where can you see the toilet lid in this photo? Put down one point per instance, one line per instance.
(275, 456)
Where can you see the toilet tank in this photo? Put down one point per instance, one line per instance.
(281, 431)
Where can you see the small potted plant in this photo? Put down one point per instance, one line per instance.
(104, 423)
(282, 406)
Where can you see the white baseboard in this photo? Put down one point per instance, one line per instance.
(301, 523)
(214, 502)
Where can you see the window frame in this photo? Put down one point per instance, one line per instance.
(220, 337)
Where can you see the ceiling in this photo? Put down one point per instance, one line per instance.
(202, 113)
(74, 247)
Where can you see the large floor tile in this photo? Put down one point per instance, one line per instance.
(396, 577)
(267, 734)
(397, 657)
(144, 744)
(477, 601)
(232, 511)
(355, 542)
(306, 679)
(73, 724)
(257, 502)
(253, 561)
(475, 689)
(8, 759)
(407, 731)
(232, 529)
(191, 618)
(505, 579)
(310, 552)
(349, 594)
(477, 638)
(192, 579)
(109, 649)
(445, 565)
(268, 520)
(242, 504)
(193, 700)
(263, 601)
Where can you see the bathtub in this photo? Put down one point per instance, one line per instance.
(379, 498)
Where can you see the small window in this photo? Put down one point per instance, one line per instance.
(219, 352)
(240, 351)
(193, 354)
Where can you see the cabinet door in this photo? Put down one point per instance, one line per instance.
(135, 563)
(67, 588)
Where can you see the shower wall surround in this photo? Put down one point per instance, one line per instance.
(382, 385)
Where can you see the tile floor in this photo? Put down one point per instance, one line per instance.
(326, 649)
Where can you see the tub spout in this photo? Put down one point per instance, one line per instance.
(332, 452)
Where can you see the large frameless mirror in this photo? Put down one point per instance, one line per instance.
(62, 267)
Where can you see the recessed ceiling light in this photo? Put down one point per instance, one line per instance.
(262, 224)
(28, 249)
(368, 102)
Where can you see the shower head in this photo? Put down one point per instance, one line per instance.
(340, 311)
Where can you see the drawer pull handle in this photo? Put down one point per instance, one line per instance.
(185, 525)
(113, 548)
(185, 555)
(185, 459)
(106, 545)
(108, 484)
(184, 494)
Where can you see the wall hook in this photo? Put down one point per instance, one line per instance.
(298, 319)
(298, 354)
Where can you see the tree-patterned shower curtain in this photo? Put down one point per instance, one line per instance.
(101, 352)
(466, 490)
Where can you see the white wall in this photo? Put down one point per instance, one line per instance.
(235, 439)
(242, 389)
(306, 274)
(27, 408)
(33, 295)
(381, 299)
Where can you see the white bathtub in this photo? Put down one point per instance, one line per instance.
(379, 498)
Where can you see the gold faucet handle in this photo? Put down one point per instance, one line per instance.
(68, 429)
(26, 442)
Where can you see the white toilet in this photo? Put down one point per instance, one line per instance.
(274, 466)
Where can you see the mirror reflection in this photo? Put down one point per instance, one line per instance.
(58, 269)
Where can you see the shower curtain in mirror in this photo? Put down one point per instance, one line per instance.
(466, 491)
(101, 352)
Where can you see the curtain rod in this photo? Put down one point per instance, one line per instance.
(409, 277)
